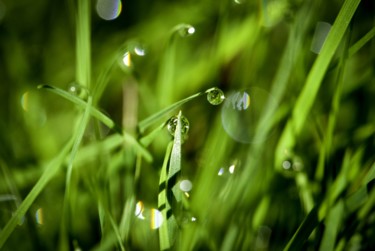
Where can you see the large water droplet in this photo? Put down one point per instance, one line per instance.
(186, 30)
(79, 91)
(108, 9)
(242, 112)
(172, 124)
(215, 96)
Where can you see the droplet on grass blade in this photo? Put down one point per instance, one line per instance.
(79, 91)
(321, 32)
(186, 30)
(172, 124)
(108, 9)
(186, 185)
(215, 96)
(242, 112)
(130, 55)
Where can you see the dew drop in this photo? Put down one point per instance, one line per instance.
(186, 30)
(186, 185)
(131, 55)
(215, 96)
(108, 9)
(241, 114)
(79, 91)
(172, 124)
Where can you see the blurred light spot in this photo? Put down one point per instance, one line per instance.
(25, 101)
(2, 11)
(287, 164)
(126, 59)
(156, 218)
(242, 113)
(186, 185)
(187, 194)
(193, 219)
(140, 51)
(231, 168)
(321, 32)
(108, 9)
(39, 216)
(221, 171)
(139, 208)
(78, 90)
(263, 238)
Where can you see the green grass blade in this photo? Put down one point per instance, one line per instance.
(304, 231)
(314, 79)
(47, 175)
(101, 117)
(163, 203)
(360, 43)
(83, 46)
(144, 124)
(332, 224)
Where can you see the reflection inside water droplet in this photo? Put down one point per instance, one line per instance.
(108, 9)
(39, 216)
(152, 215)
(241, 114)
(215, 96)
(133, 52)
(172, 124)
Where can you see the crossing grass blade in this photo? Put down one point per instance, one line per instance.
(101, 117)
(314, 79)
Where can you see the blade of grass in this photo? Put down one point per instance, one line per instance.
(144, 124)
(304, 231)
(101, 117)
(332, 223)
(47, 175)
(314, 79)
(83, 46)
(361, 42)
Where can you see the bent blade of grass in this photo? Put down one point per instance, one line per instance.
(47, 175)
(144, 124)
(101, 117)
(314, 79)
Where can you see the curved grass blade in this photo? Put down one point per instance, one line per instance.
(101, 117)
(314, 79)
(144, 124)
(47, 175)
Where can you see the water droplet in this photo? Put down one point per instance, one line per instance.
(292, 163)
(133, 51)
(79, 91)
(221, 171)
(321, 32)
(108, 9)
(186, 30)
(156, 218)
(215, 96)
(34, 110)
(241, 114)
(172, 124)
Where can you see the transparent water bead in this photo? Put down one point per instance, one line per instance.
(133, 53)
(186, 30)
(79, 91)
(242, 112)
(215, 96)
(172, 125)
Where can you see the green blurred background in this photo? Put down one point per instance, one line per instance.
(236, 45)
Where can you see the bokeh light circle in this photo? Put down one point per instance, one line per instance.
(108, 9)
(242, 111)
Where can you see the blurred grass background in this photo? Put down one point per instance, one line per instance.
(314, 193)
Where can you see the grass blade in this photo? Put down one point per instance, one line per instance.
(49, 172)
(314, 79)
(360, 43)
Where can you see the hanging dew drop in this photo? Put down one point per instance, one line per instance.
(186, 30)
(215, 96)
(172, 125)
(79, 91)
